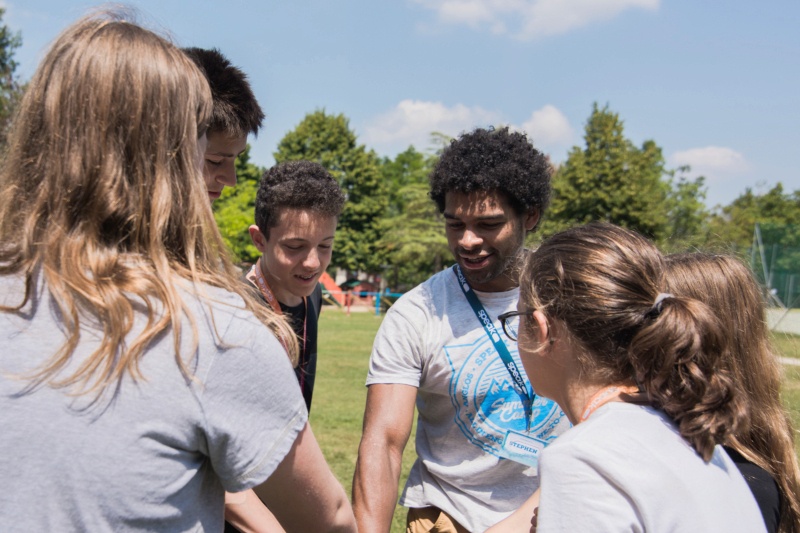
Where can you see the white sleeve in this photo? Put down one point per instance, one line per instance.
(399, 350)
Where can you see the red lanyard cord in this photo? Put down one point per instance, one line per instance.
(605, 395)
(269, 296)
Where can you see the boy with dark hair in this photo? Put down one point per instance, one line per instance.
(236, 113)
(479, 427)
(297, 208)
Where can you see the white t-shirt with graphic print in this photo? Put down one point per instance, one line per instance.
(431, 339)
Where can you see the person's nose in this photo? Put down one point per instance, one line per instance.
(469, 240)
(226, 174)
(312, 261)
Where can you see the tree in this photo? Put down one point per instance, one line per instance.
(328, 140)
(10, 87)
(687, 216)
(776, 257)
(407, 168)
(234, 211)
(734, 226)
(610, 179)
(414, 240)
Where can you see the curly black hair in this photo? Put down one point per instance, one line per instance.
(494, 160)
(236, 110)
(296, 185)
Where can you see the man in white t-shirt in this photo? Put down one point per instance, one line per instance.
(480, 427)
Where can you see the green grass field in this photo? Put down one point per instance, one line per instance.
(344, 347)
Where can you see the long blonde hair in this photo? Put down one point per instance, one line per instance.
(729, 288)
(101, 193)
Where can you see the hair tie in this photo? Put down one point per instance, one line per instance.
(658, 304)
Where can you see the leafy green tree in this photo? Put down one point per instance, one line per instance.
(414, 240)
(407, 168)
(687, 214)
(776, 259)
(328, 140)
(234, 211)
(10, 87)
(610, 179)
(733, 227)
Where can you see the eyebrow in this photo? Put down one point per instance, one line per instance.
(301, 239)
(225, 154)
(482, 218)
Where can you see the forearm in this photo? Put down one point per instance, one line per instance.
(246, 512)
(303, 493)
(388, 418)
(375, 487)
(519, 520)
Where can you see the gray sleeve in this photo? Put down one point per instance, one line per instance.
(253, 409)
(399, 350)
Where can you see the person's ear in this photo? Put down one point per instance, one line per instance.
(259, 241)
(542, 327)
(531, 219)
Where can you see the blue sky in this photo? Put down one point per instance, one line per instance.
(715, 84)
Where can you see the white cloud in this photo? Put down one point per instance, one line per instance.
(413, 121)
(716, 163)
(529, 19)
(549, 130)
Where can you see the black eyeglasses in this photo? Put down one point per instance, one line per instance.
(508, 329)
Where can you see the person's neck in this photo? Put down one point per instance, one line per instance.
(281, 293)
(579, 394)
(576, 397)
(501, 283)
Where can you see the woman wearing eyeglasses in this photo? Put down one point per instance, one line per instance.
(636, 371)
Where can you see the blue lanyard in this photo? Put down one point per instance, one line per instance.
(522, 388)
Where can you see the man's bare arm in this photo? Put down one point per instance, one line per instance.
(388, 418)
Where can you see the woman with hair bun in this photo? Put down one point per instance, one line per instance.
(636, 370)
(764, 450)
(139, 380)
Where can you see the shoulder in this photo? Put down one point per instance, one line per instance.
(428, 295)
(763, 486)
(404, 339)
(620, 427)
(222, 315)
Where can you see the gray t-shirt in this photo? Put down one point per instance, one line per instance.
(431, 339)
(155, 454)
(627, 468)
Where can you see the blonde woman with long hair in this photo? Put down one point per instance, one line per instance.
(138, 379)
(764, 451)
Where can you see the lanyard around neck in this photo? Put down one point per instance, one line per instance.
(520, 386)
(265, 289)
(269, 296)
(605, 395)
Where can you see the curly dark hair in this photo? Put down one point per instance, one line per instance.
(297, 185)
(236, 110)
(494, 160)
